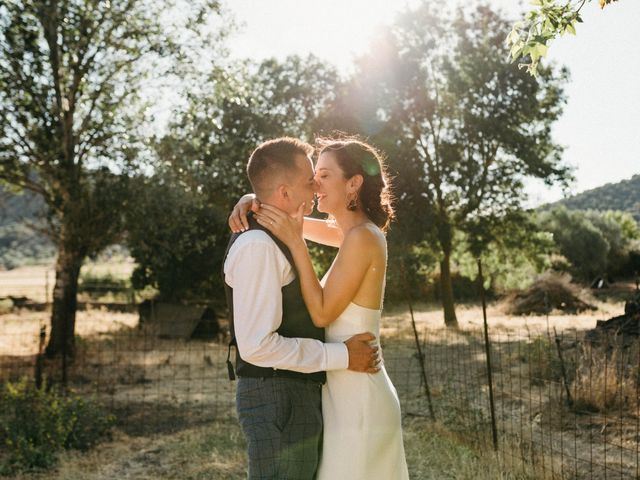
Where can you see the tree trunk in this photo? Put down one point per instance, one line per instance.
(450, 319)
(63, 316)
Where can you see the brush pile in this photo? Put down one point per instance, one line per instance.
(551, 291)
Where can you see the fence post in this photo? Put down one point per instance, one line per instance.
(65, 340)
(40, 357)
(427, 390)
(487, 348)
(46, 287)
(563, 370)
(132, 296)
(423, 369)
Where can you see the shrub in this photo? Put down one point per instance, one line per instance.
(36, 423)
(6, 305)
(97, 286)
(88, 423)
(542, 356)
(607, 379)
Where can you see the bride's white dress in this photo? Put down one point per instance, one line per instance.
(362, 425)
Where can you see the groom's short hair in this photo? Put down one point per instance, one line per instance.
(274, 160)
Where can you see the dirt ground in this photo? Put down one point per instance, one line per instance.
(170, 395)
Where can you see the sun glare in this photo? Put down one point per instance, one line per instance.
(334, 30)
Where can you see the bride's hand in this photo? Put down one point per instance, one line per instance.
(238, 219)
(284, 226)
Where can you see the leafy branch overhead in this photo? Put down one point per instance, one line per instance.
(529, 38)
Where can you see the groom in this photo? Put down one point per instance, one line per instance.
(281, 357)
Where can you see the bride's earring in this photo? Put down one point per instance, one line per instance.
(352, 202)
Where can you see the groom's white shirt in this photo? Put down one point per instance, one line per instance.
(257, 270)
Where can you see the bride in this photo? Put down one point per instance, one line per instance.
(362, 425)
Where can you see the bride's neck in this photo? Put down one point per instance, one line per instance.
(347, 219)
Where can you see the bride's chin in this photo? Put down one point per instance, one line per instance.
(325, 207)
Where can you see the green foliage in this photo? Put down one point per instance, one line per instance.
(511, 261)
(177, 237)
(89, 424)
(178, 224)
(622, 196)
(38, 422)
(462, 128)
(619, 230)
(72, 125)
(594, 243)
(410, 272)
(578, 240)
(99, 285)
(529, 39)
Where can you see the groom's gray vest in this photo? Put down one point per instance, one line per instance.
(296, 321)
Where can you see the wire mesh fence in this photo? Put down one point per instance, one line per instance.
(563, 403)
(565, 407)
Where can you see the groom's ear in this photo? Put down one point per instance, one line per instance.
(282, 192)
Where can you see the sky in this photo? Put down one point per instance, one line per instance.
(600, 127)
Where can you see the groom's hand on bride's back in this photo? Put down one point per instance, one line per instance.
(363, 357)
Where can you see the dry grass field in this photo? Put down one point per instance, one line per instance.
(36, 282)
(191, 432)
(216, 452)
(175, 415)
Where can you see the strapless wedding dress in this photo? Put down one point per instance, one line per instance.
(362, 437)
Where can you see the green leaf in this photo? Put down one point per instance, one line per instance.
(516, 52)
(513, 37)
(541, 50)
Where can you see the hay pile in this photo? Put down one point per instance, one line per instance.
(551, 291)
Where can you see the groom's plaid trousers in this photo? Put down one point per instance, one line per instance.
(282, 421)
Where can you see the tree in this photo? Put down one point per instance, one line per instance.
(71, 72)
(178, 232)
(177, 238)
(594, 243)
(622, 196)
(514, 251)
(462, 127)
(578, 240)
(529, 38)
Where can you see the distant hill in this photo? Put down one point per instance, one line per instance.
(624, 195)
(20, 244)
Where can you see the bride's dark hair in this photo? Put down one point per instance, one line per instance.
(356, 157)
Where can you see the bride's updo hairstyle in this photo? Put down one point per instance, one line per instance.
(356, 157)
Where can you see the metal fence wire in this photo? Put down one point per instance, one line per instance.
(563, 403)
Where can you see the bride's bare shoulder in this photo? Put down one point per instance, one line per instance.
(366, 236)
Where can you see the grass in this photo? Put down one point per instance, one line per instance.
(37, 281)
(433, 452)
(217, 451)
(144, 373)
(609, 380)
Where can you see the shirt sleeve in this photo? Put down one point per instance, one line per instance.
(257, 270)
